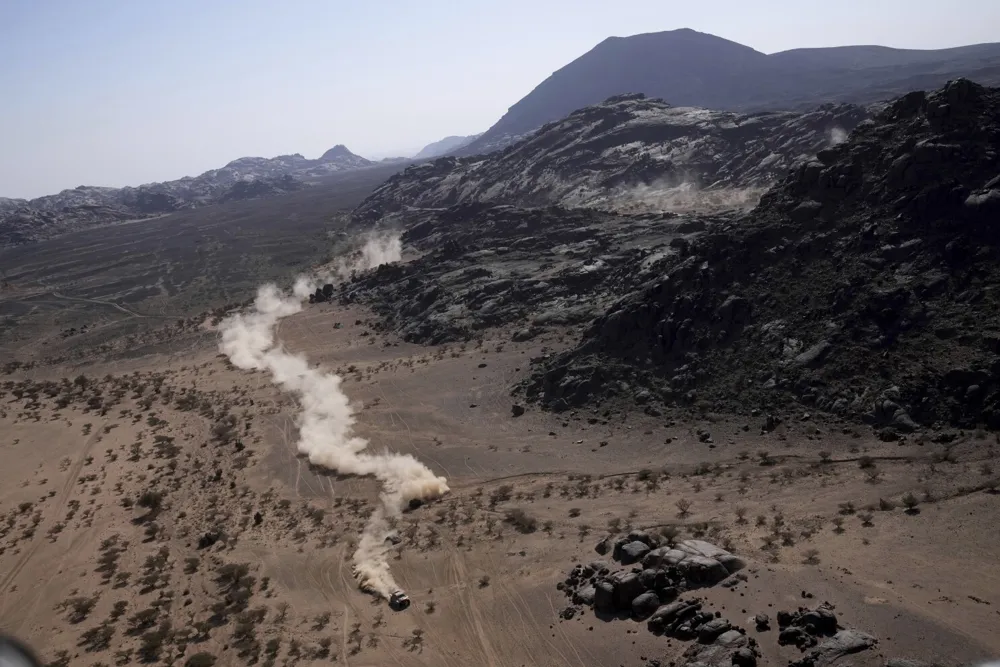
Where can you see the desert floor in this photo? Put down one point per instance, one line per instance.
(153, 506)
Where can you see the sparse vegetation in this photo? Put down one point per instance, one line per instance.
(521, 520)
(683, 507)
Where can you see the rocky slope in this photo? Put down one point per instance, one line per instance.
(629, 152)
(534, 270)
(24, 221)
(444, 146)
(690, 68)
(866, 284)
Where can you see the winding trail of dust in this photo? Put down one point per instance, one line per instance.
(326, 420)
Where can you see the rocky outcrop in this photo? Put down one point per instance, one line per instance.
(628, 153)
(866, 284)
(651, 593)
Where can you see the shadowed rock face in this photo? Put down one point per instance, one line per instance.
(867, 284)
(24, 221)
(629, 153)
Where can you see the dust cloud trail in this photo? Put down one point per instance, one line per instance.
(326, 420)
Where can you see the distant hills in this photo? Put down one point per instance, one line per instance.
(689, 68)
(24, 221)
(445, 146)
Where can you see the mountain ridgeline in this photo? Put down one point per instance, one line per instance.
(627, 153)
(689, 68)
(24, 221)
(444, 146)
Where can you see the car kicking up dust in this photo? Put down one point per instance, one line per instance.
(326, 419)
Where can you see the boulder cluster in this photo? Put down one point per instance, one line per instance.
(647, 584)
(649, 581)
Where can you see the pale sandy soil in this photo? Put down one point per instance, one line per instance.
(926, 584)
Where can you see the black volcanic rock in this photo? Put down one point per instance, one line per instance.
(689, 68)
(870, 279)
(627, 153)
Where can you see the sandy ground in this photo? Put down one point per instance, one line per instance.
(156, 489)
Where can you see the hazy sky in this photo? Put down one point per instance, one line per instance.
(124, 92)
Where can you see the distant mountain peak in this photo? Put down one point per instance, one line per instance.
(686, 67)
(338, 152)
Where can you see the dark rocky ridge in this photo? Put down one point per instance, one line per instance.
(866, 284)
(25, 221)
(628, 153)
(485, 266)
(691, 68)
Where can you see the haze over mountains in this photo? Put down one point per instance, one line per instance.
(689, 68)
(488, 381)
(445, 146)
(23, 221)
(683, 67)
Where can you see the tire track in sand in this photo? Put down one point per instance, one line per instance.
(475, 617)
(64, 495)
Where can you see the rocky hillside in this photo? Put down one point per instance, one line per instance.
(444, 146)
(689, 68)
(867, 284)
(24, 221)
(628, 152)
(533, 270)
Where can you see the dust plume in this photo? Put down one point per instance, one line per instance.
(838, 135)
(377, 250)
(326, 420)
(685, 196)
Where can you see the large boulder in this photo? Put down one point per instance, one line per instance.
(604, 596)
(627, 587)
(845, 642)
(709, 632)
(644, 605)
(703, 571)
(634, 552)
(700, 562)
(599, 566)
(642, 536)
(671, 614)
(585, 595)
(732, 563)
